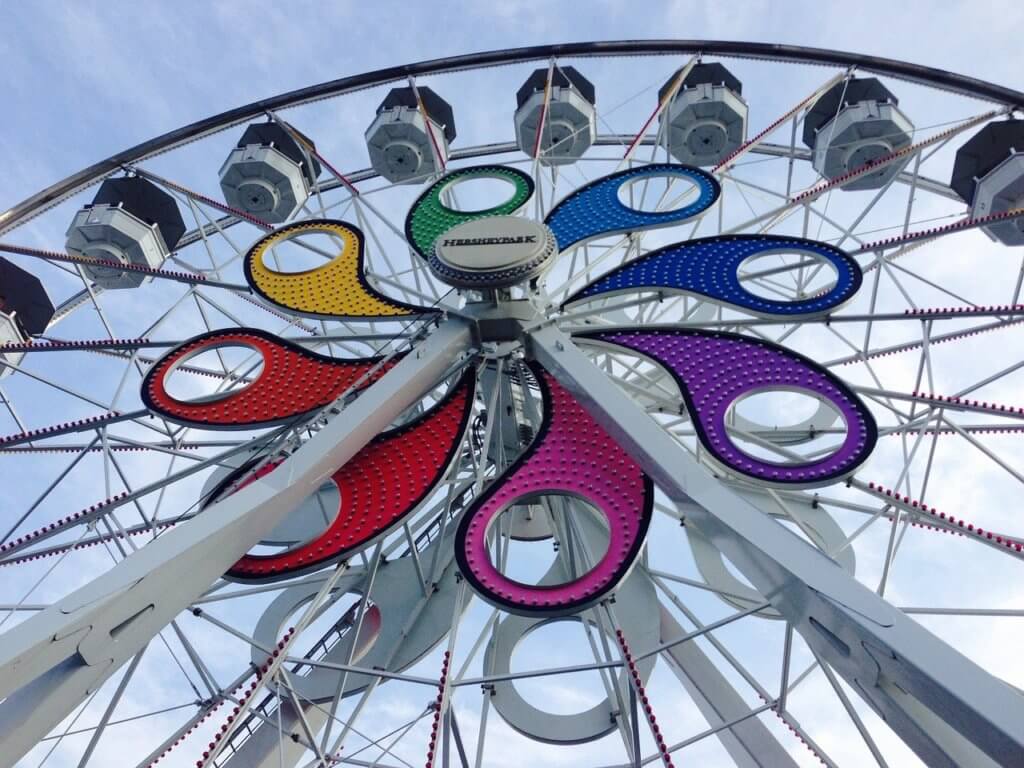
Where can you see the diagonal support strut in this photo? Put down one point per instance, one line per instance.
(51, 662)
(944, 706)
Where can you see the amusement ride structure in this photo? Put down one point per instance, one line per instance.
(581, 404)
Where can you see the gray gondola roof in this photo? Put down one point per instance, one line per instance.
(23, 294)
(145, 200)
(853, 91)
(439, 110)
(562, 77)
(984, 151)
(712, 72)
(270, 133)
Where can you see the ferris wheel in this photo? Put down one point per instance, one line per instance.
(598, 404)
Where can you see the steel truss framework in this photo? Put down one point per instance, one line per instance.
(317, 679)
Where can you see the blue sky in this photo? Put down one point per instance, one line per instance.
(85, 80)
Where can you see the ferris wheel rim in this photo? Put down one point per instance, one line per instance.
(486, 149)
(953, 82)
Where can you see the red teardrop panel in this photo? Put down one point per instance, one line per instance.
(293, 381)
(379, 486)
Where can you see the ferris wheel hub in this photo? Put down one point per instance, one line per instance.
(493, 252)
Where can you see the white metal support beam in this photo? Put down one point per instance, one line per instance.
(749, 743)
(51, 662)
(944, 706)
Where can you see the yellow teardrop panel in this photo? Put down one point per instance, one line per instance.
(339, 288)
